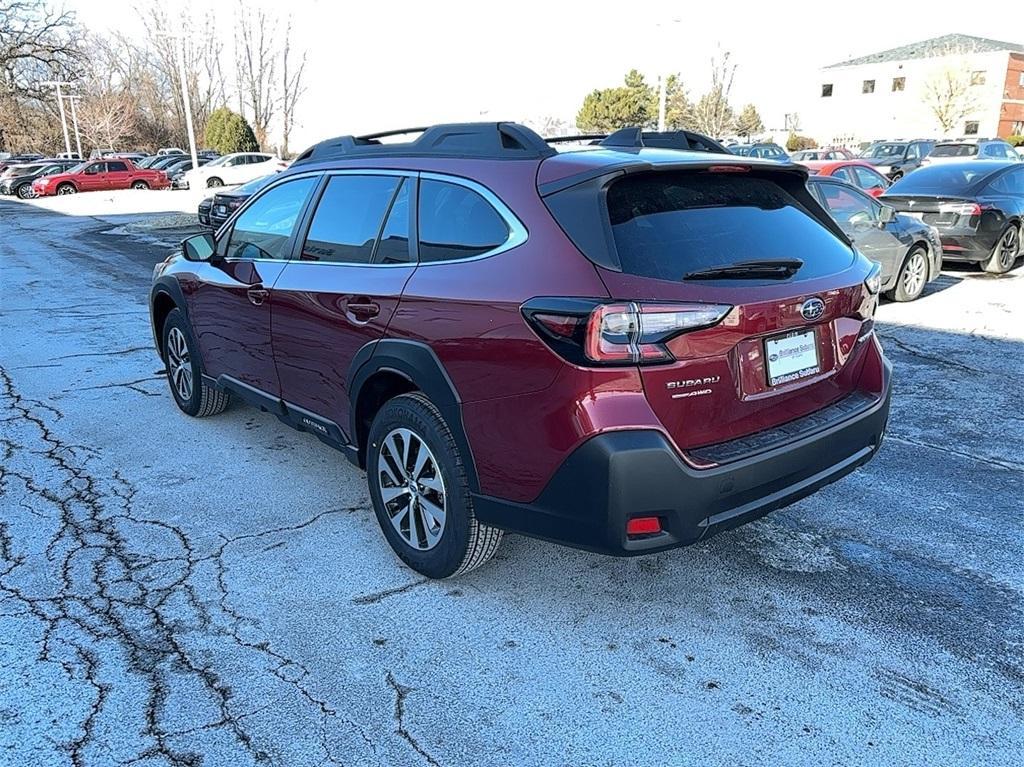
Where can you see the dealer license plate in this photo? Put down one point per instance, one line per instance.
(792, 357)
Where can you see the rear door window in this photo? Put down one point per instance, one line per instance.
(456, 222)
(348, 218)
(666, 225)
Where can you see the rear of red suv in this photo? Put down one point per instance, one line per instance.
(620, 348)
(731, 369)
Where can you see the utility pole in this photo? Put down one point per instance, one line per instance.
(186, 100)
(74, 121)
(662, 101)
(60, 106)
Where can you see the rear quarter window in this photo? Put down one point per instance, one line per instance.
(456, 222)
(666, 225)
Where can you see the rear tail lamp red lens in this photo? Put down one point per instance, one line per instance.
(643, 526)
(588, 332)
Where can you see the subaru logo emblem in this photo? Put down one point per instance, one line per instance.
(812, 308)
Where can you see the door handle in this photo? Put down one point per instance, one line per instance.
(362, 309)
(257, 295)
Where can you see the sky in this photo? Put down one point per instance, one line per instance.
(383, 65)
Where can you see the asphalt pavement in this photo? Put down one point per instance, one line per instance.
(217, 591)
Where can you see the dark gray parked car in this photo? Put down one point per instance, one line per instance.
(909, 251)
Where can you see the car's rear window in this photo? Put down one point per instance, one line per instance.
(955, 150)
(953, 179)
(666, 225)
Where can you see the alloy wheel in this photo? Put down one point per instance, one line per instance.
(179, 364)
(25, 192)
(412, 489)
(67, 189)
(914, 274)
(1008, 247)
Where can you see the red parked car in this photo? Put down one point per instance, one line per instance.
(857, 172)
(620, 348)
(100, 175)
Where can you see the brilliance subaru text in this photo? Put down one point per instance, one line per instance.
(616, 347)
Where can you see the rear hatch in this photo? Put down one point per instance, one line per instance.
(766, 297)
(942, 196)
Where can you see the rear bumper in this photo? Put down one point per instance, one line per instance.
(966, 246)
(618, 475)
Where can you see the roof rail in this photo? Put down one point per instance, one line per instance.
(492, 141)
(579, 137)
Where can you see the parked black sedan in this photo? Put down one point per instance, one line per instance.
(215, 210)
(18, 179)
(977, 208)
(908, 250)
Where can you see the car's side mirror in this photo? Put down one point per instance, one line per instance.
(199, 247)
(887, 214)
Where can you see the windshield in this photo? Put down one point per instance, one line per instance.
(49, 170)
(955, 150)
(939, 180)
(78, 168)
(878, 151)
(218, 161)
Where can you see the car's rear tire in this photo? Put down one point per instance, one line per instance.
(212, 183)
(185, 372)
(24, 192)
(428, 516)
(66, 189)
(140, 185)
(913, 276)
(1005, 252)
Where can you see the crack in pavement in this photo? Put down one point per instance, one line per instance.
(1001, 463)
(106, 594)
(401, 693)
(915, 352)
(380, 596)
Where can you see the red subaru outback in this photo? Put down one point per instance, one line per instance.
(620, 348)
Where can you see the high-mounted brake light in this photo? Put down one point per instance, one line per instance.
(729, 169)
(587, 332)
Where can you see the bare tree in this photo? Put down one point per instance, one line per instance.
(712, 114)
(948, 92)
(107, 119)
(256, 61)
(291, 87)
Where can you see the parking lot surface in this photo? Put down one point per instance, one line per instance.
(217, 592)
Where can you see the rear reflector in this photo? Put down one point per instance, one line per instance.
(643, 526)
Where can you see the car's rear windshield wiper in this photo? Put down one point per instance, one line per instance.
(778, 269)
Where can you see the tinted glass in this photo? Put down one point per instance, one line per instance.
(263, 229)
(953, 179)
(955, 150)
(842, 174)
(116, 167)
(456, 222)
(885, 151)
(1009, 183)
(668, 224)
(393, 247)
(254, 186)
(348, 219)
(846, 205)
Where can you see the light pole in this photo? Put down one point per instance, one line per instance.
(663, 80)
(186, 100)
(60, 106)
(74, 121)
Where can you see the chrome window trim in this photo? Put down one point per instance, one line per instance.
(518, 233)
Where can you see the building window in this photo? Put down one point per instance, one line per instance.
(977, 78)
(971, 128)
(868, 86)
(1020, 81)
(899, 84)
(826, 90)
(1017, 129)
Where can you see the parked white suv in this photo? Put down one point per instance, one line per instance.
(238, 168)
(971, 149)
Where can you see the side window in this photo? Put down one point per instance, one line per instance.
(264, 228)
(1009, 183)
(456, 222)
(393, 247)
(842, 174)
(116, 167)
(240, 160)
(96, 167)
(913, 153)
(847, 206)
(348, 219)
(868, 179)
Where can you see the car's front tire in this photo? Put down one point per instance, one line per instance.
(1005, 252)
(24, 192)
(420, 492)
(913, 276)
(185, 372)
(213, 183)
(67, 189)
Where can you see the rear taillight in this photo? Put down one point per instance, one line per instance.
(961, 209)
(589, 332)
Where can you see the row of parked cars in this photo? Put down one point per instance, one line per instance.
(36, 176)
